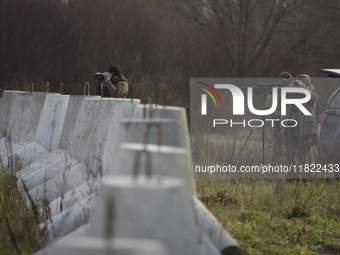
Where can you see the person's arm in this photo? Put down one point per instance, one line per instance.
(314, 97)
(110, 86)
(313, 94)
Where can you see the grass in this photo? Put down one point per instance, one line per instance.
(17, 228)
(276, 217)
(267, 216)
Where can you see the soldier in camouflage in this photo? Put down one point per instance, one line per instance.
(278, 150)
(114, 80)
(297, 140)
(313, 138)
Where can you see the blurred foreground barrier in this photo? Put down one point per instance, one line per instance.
(148, 207)
(211, 228)
(100, 246)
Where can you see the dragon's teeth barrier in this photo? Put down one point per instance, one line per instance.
(68, 145)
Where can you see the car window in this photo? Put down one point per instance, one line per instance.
(335, 103)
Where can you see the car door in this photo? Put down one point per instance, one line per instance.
(330, 133)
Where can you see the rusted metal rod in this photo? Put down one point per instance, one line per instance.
(140, 95)
(110, 213)
(62, 88)
(16, 86)
(147, 101)
(30, 87)
(159, 133)
(47, 87)
(87, 85)
(164, 94)
(136, 164)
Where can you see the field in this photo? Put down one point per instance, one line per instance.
(268, 216)
(271, 216)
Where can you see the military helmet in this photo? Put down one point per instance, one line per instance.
(285, 75)
(305, 78)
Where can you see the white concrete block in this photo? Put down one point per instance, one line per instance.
(108, 113)
(113, 135)
(69, 220)
(46, 173)
(205, 246)
(14, 146)
(25, 115)
(167, 112)
(6, 106)
(3, 146)
(73, 108)
(73, 196)
(18, 118)
(52, 121)
(221, 239)
(165, 161)
(85, 124)
(24, 153)
(108, 119)
(132, 130)
(98, 246)
(59, 185)
(147, 208)
(43, 162)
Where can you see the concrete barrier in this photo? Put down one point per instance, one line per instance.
(132, 130)
(50, 131)
(151, 111)
(73, 108)
(59, 185)
(165, 161)
(25, 115)
(139, 112)
(221, 239)
(6, 106)
(23, 124)
(73, 196)
(108, 121)
(47, 173)
(18, 115)
(52, 121)
(86, 122)
(68, 220)
(104, 135)
(205, 246)
(150, 208)
(24, 153)
(43, 162)
(98, 246)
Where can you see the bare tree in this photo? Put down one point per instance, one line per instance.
(243, 30)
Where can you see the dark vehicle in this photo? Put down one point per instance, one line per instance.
(328, 125)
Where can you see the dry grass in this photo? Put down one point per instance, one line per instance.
(275, 217)
(269, 216)
(18, 229)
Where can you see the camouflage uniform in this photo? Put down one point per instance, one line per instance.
(313, 138)
(297, 139)
(277, 136)
(114, 83)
